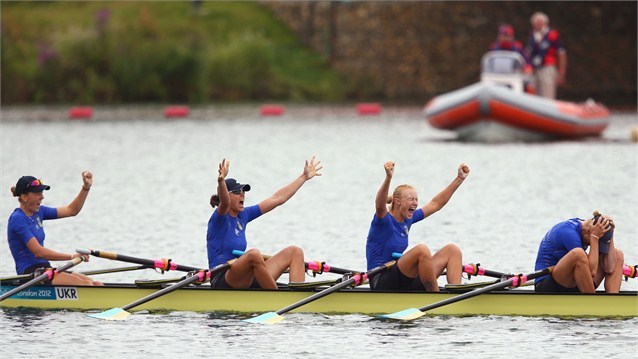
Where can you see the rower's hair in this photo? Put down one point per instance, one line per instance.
(397, 194)
(13, 191)
(214, 200)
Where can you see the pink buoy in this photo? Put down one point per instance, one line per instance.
(81, 113)
(368, 108)
(176, 111)
(272, 110)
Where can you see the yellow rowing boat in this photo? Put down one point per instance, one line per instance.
(521, 301)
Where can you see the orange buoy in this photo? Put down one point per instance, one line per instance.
(81, 113)
(369, 108)
(176, 111)
(272, 110)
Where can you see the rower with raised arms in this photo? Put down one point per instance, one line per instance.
(25, 231)
(227, 232)
(418, 269)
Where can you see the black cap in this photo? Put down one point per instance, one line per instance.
(233, 185)
(26, 184)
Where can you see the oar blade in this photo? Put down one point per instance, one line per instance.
(111, 314)
(406, 314)
(266, 318)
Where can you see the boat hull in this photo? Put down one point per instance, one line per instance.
(489, 113)
(521, 302)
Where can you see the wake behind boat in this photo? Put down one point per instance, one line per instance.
(517, 302)
(497, 109)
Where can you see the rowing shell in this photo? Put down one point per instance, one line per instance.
(523, 302)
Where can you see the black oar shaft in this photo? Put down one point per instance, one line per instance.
(356, 279)
(148, 262)
(489, 288)
(192, 279)
(159, 293)
(494, 274)
(75, 261)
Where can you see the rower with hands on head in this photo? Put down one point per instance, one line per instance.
(227, 232)
(26, 232)
(576, 270)
(418, 269)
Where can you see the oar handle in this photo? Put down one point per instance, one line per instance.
(475, 269)
(321, 267)
(48, 274)
(161, 264)
(629, 271)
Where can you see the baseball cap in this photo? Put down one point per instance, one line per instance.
(506, 29)
(233, 185)
(29, 184)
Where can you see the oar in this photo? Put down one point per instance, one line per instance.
(515, 281)
(321, 267)
(356, 279)
(114, 270)
(48, 274)
(199, 276)
(161, 264)
(475, 270)
(629, 271)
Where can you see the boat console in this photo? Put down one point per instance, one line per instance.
(504, 68)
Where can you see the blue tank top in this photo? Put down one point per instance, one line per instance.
(21, 229)
(558, 241)
(386, 236)
(227, 233)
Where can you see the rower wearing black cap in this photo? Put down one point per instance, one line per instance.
(227, 233)
(25, 230)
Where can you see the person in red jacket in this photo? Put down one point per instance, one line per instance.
(547, 55)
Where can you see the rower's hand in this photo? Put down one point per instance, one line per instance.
(84, 256)
(311, 168)
(463, 171)
(389, 169)
(87, 180)
(222, 172)
(599, 229)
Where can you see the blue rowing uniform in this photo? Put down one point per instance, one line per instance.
(227, 233)
(21, 229)
(561, 239)
(387, 236)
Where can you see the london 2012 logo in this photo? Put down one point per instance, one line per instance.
(44, 293)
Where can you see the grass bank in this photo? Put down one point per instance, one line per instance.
(132, 52)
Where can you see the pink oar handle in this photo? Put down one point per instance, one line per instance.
(164, 264)
(518, 280)
(359, 278)
(630, 271)
(473, 269)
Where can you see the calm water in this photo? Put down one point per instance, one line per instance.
(153, 179)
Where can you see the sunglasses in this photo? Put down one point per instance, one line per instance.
(35, 183)
(237, 191)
